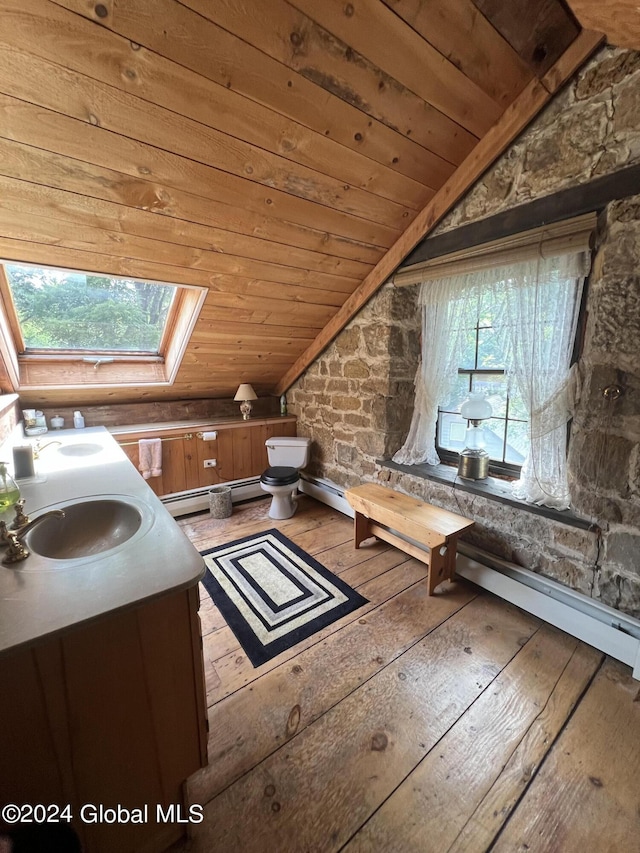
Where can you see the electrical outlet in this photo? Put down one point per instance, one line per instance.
(210, 463)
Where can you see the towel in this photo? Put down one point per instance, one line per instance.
(150, 457)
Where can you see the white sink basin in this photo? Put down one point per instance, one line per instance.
(81, 449)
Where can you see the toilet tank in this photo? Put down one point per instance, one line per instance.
(288, 450)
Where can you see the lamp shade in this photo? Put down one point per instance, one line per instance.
(245, 392)
(476, 408)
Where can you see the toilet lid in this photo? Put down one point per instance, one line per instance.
(280, 475)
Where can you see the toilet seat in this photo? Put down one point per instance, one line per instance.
(280, 475)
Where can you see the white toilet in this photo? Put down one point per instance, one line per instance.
(287, 455)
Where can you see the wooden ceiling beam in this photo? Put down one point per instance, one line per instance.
(539, 30)
(465, 37)
(507, 128)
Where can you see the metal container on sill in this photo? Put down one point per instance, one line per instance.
(220, 502)
(473, 465)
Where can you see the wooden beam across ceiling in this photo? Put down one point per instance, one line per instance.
(507, 128)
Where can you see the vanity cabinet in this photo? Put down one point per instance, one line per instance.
(109, 713)
(239, 450)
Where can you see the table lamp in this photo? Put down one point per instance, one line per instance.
(244, 394)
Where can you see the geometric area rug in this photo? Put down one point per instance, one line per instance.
(273, 594)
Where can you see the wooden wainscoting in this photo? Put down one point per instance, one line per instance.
(454, 722)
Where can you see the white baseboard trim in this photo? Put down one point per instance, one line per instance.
(602, 627)
(196, 500)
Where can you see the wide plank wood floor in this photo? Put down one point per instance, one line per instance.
(450, 723)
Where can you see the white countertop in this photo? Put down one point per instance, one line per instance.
(39, 596)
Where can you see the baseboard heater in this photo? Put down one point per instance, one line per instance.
(196, 500)
(602, 627)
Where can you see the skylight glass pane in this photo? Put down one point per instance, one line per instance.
(61, 310)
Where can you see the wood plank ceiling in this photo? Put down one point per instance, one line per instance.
(271, 151)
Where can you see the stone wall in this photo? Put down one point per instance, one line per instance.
(356, 400)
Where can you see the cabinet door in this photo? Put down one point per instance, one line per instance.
(174, 467)
(174, 475)
(225, 466)
(242, 461)
(205, 451)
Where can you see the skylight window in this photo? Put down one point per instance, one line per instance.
(63, 311)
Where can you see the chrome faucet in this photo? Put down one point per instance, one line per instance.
(16, 550)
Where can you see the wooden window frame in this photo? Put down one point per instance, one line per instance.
(43, 369)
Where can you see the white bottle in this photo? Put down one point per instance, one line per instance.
(78, 420)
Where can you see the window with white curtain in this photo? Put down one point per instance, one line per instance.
(483, 368)
(508, 329)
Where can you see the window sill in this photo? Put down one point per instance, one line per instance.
(492, 488)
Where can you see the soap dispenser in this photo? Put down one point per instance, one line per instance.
(78, 420)
(9, 491)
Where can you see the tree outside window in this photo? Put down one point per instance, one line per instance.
(61, 310)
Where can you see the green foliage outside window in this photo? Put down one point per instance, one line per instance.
(61, 310)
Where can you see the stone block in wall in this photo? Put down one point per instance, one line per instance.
(370, 443)
(357, 420)
(595, 506)
(346, 403)
(346, 454)
(581, 544)
(565, 153)
(600, 461)
(608, 68)
(404, 307)
(616, 296)
(329, 416)
(573, 573)
(627, 106)
(384, 341)
(356, 368)
(617, 246)
(619, 590)
(315, 383)
(348, 341)
(623, 549)
(597, 412)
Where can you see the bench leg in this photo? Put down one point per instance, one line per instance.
(450, 557)
(437, 569)
(360, 529)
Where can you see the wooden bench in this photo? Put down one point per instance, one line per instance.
(384, 513)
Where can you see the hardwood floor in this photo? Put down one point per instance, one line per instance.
(450, 723)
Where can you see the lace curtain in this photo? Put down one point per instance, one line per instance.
(444, 303)
(541, 300)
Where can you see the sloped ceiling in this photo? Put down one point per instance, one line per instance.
(286, 155)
